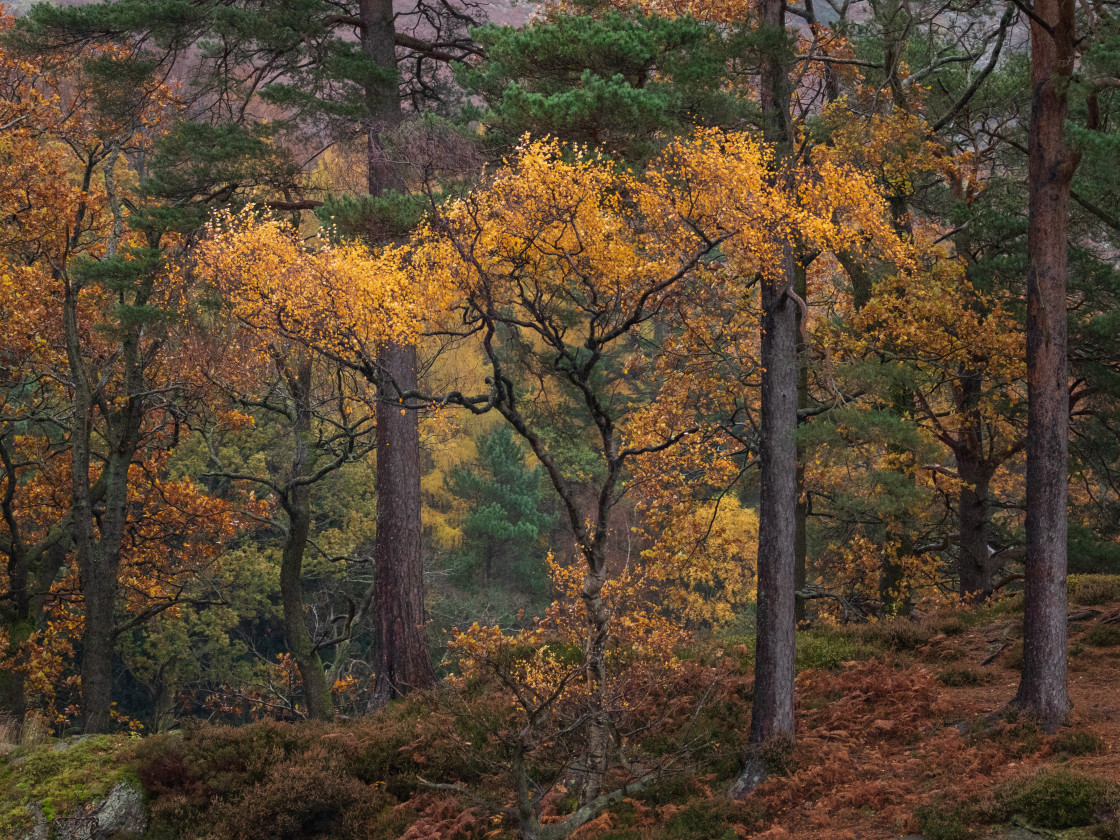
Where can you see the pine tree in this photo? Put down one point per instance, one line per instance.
(504, 526)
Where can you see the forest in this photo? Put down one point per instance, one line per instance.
(446, 419)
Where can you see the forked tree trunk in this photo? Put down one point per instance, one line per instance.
(402, 659)
(1043, 689)
(99, 554)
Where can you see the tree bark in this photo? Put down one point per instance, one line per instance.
(99, 557)
(297, 505)
(801, 536)
(402, 659)
(403, 662)
(977, 572)
(772, 713)
(1043, 689)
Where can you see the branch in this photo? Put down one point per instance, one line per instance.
(283, 206)
(585, 814)
(657, 447)
(1029, 12)
(1004, 24)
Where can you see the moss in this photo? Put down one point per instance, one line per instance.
(61, 778)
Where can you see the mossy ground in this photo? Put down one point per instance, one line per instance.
(59, 778)
(880, 753)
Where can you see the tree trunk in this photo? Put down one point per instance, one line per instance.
(99, 573)
(19, 623)
(378, 38)
(977, 574)
(99, 555)
(801, 537)
(32, 573)
(772, 713)
(403, 662)
(1043, 687)
(590, 781)
(297, 504)
(402, 658)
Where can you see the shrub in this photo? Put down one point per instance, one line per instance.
(670, 790)
(945, 823)
(274, 780)
(1056, 798)
(312, 796)
(825, 649)
(900, 634)
(961, 676)
(699, 822)
(1091, 590)
(1103, 635)
(952, 625)
(1078, 743)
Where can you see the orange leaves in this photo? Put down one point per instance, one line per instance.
(557, 235)
(897, 148)
(343, 300)
(937, 319)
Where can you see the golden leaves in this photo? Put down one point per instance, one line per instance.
(340, 299)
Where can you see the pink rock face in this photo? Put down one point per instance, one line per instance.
(506, 13)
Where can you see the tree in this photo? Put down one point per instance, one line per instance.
(565, 266)
(315, 61)
(504, 523)
(772, 710)
(1043, 688)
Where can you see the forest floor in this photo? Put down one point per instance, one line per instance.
(900, 733)
(905, 742)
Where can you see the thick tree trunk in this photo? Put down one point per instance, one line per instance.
(378, 38)
(772, 714)
(402, 658)
(403, 662)
(1043, 688)
(99, 566)
(297, 504)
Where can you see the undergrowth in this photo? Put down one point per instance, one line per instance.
(60, 778)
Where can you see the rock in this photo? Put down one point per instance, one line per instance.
(67, 743)
(119, 815)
